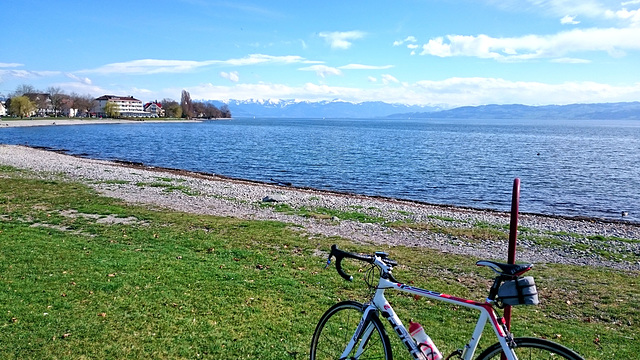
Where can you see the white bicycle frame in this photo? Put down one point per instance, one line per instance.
(379, 303)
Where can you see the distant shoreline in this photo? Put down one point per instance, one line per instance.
(55, 122)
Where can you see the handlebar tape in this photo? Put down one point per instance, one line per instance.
(339, 255)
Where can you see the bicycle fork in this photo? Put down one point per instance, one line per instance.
(363, 333)
(366, 327)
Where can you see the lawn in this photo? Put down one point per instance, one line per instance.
(85, 276)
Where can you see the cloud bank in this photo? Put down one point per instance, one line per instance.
(614, 41)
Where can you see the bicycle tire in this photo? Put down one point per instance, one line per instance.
(532, 348)
(337, 326)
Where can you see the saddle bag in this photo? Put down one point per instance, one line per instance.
(521, 291)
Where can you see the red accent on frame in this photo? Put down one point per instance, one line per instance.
(488, 307)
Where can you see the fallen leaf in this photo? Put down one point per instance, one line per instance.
(102, 314)
(112, 275)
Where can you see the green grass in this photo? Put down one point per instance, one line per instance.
(171, 285)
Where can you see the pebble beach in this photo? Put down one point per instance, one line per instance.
(576, 241)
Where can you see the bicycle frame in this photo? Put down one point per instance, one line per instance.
(380, 303)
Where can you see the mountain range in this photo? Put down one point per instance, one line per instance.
(378, 109)
(603, 111)
(319, 109)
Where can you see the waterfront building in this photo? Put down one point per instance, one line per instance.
(127, 106)
(154, 108)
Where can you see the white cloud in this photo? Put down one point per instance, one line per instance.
(409, 39)
(372, 79)
(365, 67)
(85, 80)
(9, 65)
(254, 59)
(231, 76)
(614, 41)
(341, 40)
(477, 91)
(594, 9)
(156, 66)
(386, 79)
(569, 20)
(633, 16)
(27, 74)
(149, 66)
(322, 70)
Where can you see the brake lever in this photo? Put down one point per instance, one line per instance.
(328, 262)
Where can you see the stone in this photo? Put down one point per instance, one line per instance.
(274, 198)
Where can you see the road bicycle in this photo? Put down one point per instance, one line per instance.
(351, 330)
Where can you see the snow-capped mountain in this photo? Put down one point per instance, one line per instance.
(319, 109)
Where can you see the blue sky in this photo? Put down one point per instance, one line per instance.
(431, 52)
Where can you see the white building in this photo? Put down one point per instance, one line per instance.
(3, 109)
(126, 106)
(154, 109)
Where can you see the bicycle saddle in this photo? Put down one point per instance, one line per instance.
(506, 269)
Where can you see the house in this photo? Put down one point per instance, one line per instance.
(3, 109)
(42, 102)
(154, 108)
(127, 106)
(68, 108)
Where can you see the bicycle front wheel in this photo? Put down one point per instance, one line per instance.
(337, 326)
(532, 348)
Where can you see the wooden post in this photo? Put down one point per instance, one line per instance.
(513, 237)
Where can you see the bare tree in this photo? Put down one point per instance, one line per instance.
(186, 104)
(57, 97)
(83, 103)
(198, 109)
(24, 89)
(225, 112)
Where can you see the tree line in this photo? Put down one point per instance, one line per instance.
(189, 109)
(27, 100)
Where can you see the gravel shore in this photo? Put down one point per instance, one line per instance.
(590, 242)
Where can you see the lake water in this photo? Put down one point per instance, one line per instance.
(575, 168)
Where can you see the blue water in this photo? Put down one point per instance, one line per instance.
(574, 168)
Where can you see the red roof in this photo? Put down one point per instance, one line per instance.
(114, 97)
